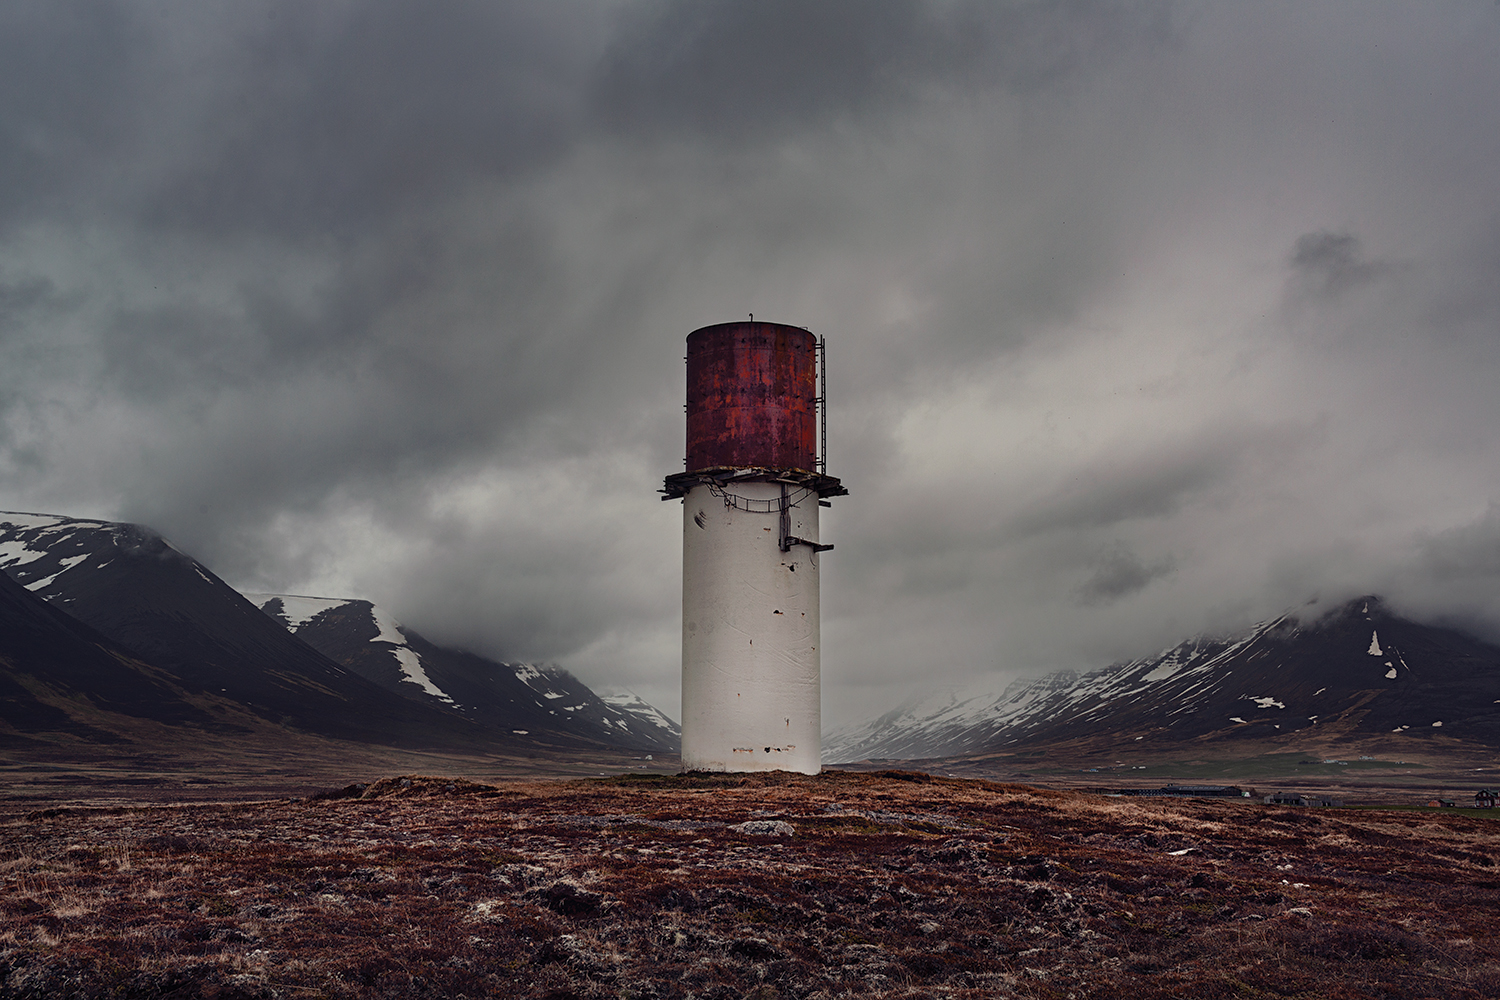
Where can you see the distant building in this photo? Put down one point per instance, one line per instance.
(1485, 799)
(1297, 799)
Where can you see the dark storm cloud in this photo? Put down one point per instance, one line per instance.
(283, 170)
(1152, 484)
(65, 100)
(745, 70)
(1331, 263)
(1468, 298)
(22, 301)
(1453, 576)
(302, 176)
(931, 556)
(21, 297)
(337, 117)
(391, 296)
(1469, 553)
(325, 120)
(1119, 572)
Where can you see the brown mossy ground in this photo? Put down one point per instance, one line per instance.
(891, 885)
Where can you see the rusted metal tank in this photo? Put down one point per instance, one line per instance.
(752, 397)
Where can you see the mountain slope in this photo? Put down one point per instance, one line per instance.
(129, 584)
(519, 698)
(1358, 671)
(57, 675)
(649, 715)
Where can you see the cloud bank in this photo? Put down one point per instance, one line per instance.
(1144, 318)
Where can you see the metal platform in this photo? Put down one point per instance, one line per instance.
(720, 477)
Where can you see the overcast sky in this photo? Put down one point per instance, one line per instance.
(1143, 318)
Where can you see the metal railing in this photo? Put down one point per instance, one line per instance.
(821, 405)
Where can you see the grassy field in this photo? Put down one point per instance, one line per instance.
(653, 886)
(1262, 767)
(1384, 772)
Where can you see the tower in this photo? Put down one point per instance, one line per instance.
(755, 480)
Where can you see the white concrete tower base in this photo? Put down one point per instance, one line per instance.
(751, 693)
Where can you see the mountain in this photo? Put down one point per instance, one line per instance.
(202, 638)
(519, 698)
(648, 714)
(1358, 672)
(57, 675)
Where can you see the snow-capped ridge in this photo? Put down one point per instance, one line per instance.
(516, 698)
(135, 587)
(297, 611)
(631, 703)
(1296, 674)
(32, 544)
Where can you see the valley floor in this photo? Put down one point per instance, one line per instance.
(845, 884)
(1372, 772)
(175, 771)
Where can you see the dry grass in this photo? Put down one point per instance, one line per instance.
(893, 885)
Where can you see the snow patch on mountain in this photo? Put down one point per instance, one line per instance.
(408, 660)
(1163, 672)
(18, 552)
(634, 705)
(296, 610)
(66, 563)
(411, 669)
(299, 611)
(390, 629)
(549, 682)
